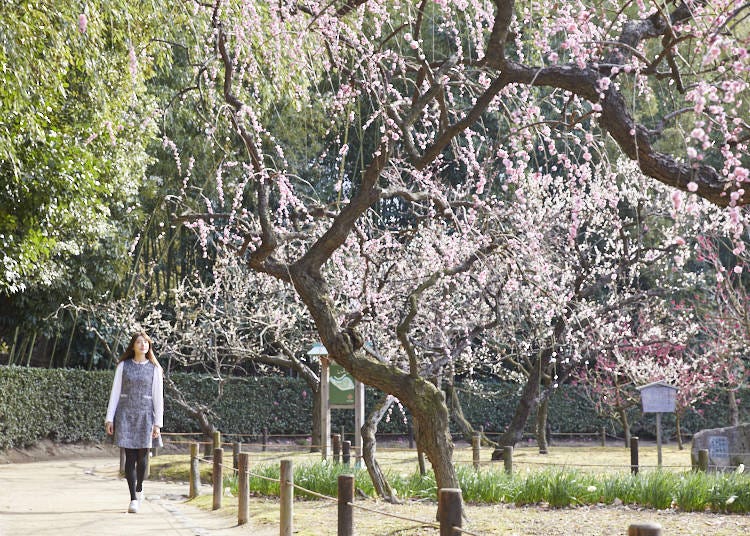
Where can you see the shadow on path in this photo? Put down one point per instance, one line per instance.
(87, 497)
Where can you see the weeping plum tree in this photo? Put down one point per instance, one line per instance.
(437, 112)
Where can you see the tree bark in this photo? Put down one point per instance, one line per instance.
(623, 415)
(541, 426)
(424, 400)
(199, 412)
(734, 410)
(526, 405)
(382, 487)
(457, 414)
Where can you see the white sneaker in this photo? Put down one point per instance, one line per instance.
(133, 507)
(140, 496)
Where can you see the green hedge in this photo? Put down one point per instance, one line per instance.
(58, 404)
(69, 405)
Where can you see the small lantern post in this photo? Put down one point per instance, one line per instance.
(338, 390)
(320, 351)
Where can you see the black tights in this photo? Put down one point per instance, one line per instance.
(135, 469)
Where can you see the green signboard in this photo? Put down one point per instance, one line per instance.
(341, 387)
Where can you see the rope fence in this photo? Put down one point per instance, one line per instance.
(506, 454)
(286, 482)
(450, 501)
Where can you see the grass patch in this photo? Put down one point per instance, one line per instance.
(176, 467)
(557, 487)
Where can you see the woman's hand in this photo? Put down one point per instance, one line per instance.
(155, 432)
(109, 427)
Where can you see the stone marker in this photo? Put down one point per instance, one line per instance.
(727, 447)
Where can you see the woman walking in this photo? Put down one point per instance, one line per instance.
(135, 413)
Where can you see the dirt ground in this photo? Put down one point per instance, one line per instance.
(311, 518)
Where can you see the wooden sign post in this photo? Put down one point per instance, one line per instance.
(658, 397)
(338, 390)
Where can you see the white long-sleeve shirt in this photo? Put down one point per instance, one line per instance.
(157, 394)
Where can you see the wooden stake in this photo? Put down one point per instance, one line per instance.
(449, 511)
(195, 471)
(286, 494)
(634, 455)
(243, 488)
(217, 477)
(508, 459)
(345, 510)
(644, 529)
(476, 441)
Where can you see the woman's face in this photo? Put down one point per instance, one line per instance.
(140, 346)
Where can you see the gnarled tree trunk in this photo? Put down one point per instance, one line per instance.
(424, 400)
(526, 405)
(734, 410)
(457, 414)
(369, 429)
(541, 426)
(200, 412)
(623, 414)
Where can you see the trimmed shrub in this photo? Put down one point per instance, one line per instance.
(68, 405)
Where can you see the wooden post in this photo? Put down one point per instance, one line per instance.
(634, 455)
(336, 441)
(359, 420)
(325, 410)
(508, 459)
(658, 439)
(217, 477)
(265, 439)
(286, 494)
(217, 439)
(449, 511)
(346, 510)
(644, 529)
(703, 460)
(410, 430)
(604, 436)
(243, 488)
(346, 449)
(236, 449)
(195, 471)
(476, 441)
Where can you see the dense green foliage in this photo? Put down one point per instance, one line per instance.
(76, 124)
(69, 406)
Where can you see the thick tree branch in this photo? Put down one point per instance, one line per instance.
(260, 259)
(367, 194)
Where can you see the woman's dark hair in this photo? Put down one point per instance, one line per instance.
(129, 352)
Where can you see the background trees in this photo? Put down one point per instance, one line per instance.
(461, 104)
(431, 176)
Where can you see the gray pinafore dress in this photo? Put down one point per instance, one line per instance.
(134, 418)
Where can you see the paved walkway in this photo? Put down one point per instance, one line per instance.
(86, 497)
